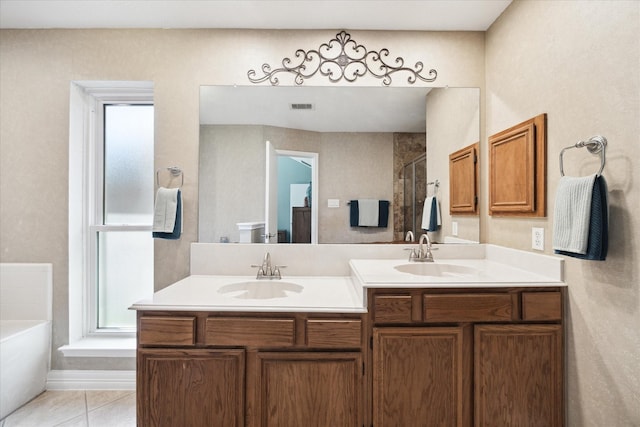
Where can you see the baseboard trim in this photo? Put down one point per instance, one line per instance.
(91, 380)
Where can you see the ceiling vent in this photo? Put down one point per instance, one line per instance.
(302, 106)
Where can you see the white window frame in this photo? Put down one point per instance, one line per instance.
(86, 142)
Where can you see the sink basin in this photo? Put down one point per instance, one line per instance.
(435, 269)
(260, 289)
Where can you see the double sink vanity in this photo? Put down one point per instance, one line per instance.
(366, 337)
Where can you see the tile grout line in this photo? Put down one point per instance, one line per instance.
(86, 408)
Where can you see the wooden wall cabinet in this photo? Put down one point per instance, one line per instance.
(518, 168)
(463, 181)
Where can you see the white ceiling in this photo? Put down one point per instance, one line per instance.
(421, 15)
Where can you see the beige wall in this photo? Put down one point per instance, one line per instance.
(232, 171)
(579, 62)
(36, 67)
(231, 184)
(453, 122)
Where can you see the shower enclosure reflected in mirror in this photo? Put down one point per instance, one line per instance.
(363, 137)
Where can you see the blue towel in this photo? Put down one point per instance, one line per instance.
(598, 243)
(177, 228)
(433, 216)
(383, 213)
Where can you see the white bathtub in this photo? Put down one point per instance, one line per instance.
(25, 333)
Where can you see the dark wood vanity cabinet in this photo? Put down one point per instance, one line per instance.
(314, 389)
(191, 387)
(518, 375)
(418, 376)
(418, 357)
(467, 357)
(250, 369)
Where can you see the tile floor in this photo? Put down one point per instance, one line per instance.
(77, 408)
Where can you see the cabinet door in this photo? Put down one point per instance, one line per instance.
(190, 388)
(518, 375)
(310, 389)
(418, 377)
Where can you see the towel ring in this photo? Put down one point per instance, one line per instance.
(175, 171)
(436, 185)
(596, 145)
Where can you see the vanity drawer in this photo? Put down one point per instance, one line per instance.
(250, 332)
(392, 308)
(469, 307)
(167, 331)
(541, 306)
(332, 333)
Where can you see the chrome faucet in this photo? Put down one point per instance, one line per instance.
(424, 255)
(409, 237)
(266, 270)
(266, 265)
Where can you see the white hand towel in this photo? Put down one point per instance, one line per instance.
(164, 213)
(426, 213)
(368, 212)
(572, 214)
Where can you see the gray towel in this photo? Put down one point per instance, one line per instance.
(572, 214)
(598, 225)
(368, 212)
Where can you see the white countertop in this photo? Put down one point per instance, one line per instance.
(377, 273)
(336, 281)
(329, 294)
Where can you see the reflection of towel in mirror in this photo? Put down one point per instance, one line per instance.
(584, 204)
(368, 212)
(167, 214)
(431, 216)
(376, 213)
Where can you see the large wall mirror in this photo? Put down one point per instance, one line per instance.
(294, 157)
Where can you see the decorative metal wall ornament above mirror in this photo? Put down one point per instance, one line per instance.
(342, 58)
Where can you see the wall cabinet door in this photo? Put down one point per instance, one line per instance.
(190, 388)
(518, 375)
(418, 377)
(310, 389)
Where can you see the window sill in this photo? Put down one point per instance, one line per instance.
(101, 347)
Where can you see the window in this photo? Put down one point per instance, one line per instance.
(123, 270)
(111, 185)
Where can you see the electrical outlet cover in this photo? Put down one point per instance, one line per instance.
(537, 238)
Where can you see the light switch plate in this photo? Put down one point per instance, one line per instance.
(333, 203)
(537, 238)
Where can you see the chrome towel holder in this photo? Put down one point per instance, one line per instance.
(436, 185)
(174, 171)
(596, 145)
